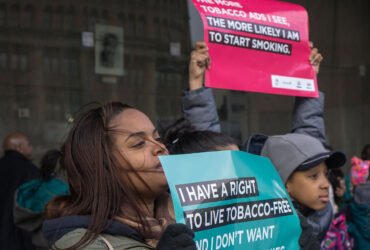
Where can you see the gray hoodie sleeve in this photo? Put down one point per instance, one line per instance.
(199, 108)
(308, 117)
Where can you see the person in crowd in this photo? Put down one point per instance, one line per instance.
(337, 182)
(337, 236)
(359, 170)
(32, 197)
(365, 153)
(358, 214)
(303, 163)
(118, 191)
(16, 168)
(198, 105)
(182, 138)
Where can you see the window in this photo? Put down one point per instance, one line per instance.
(2, 14)
(105, 17)
(74, 68)
(58, 18)
(51, 61)
(165, 30)
(92, 19)
(14, 16)
(121, 19)
(47, 64)
(14, 59)
(54, 65)
(139, 78)
(140, 27)
(130, 25)
(28, 16)
(23, 62)
(69, 17)
(70, 67)
(47, 17)
(157, 28)
(3, 60)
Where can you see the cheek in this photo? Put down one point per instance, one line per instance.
(132, 160)
(149, 183)
(136, 160)
(301, 190)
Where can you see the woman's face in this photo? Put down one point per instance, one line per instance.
(139, 146)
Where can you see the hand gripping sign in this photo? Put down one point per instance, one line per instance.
(258, 46)
(231, 200)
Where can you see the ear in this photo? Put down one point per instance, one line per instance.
(19, 148)
(288, 186)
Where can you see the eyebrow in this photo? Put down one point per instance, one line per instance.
(140, 134)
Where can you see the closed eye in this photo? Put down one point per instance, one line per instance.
(158, 139)
(139, 144)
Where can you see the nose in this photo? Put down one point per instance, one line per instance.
(159, 149)
(325, 183)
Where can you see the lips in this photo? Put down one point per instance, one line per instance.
(159, 167)
(324, 198)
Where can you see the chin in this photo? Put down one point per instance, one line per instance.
(165, 186)
(319, 207)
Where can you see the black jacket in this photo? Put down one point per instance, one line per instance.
(15, 170)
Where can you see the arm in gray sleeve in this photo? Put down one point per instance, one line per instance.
(199, 108)
(308, 117)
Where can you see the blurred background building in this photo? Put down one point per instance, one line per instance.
(47, 62)
(49, 67)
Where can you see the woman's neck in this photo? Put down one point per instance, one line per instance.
(146, 206)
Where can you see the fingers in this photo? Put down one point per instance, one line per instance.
(199, 62)
(201, 48)
(200, 45)
(177, 236)
(316, 59)
(178, 229)
(200, 59)
(200, 56)
(311, 44)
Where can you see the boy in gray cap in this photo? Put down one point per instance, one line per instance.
(303, 163)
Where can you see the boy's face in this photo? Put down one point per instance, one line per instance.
(310, 188)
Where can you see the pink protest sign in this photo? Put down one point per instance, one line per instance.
(258, 46)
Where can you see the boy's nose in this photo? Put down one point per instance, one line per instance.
(325, 183)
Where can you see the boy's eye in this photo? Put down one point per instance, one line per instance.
(313, 176)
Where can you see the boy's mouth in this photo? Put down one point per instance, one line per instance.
(324, 198)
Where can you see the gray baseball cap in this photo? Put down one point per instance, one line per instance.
(292, 152)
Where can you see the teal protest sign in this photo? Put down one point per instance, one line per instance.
(231, 200)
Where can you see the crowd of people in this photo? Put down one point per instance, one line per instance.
(115, 195)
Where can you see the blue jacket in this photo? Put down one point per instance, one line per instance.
(30, 201)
